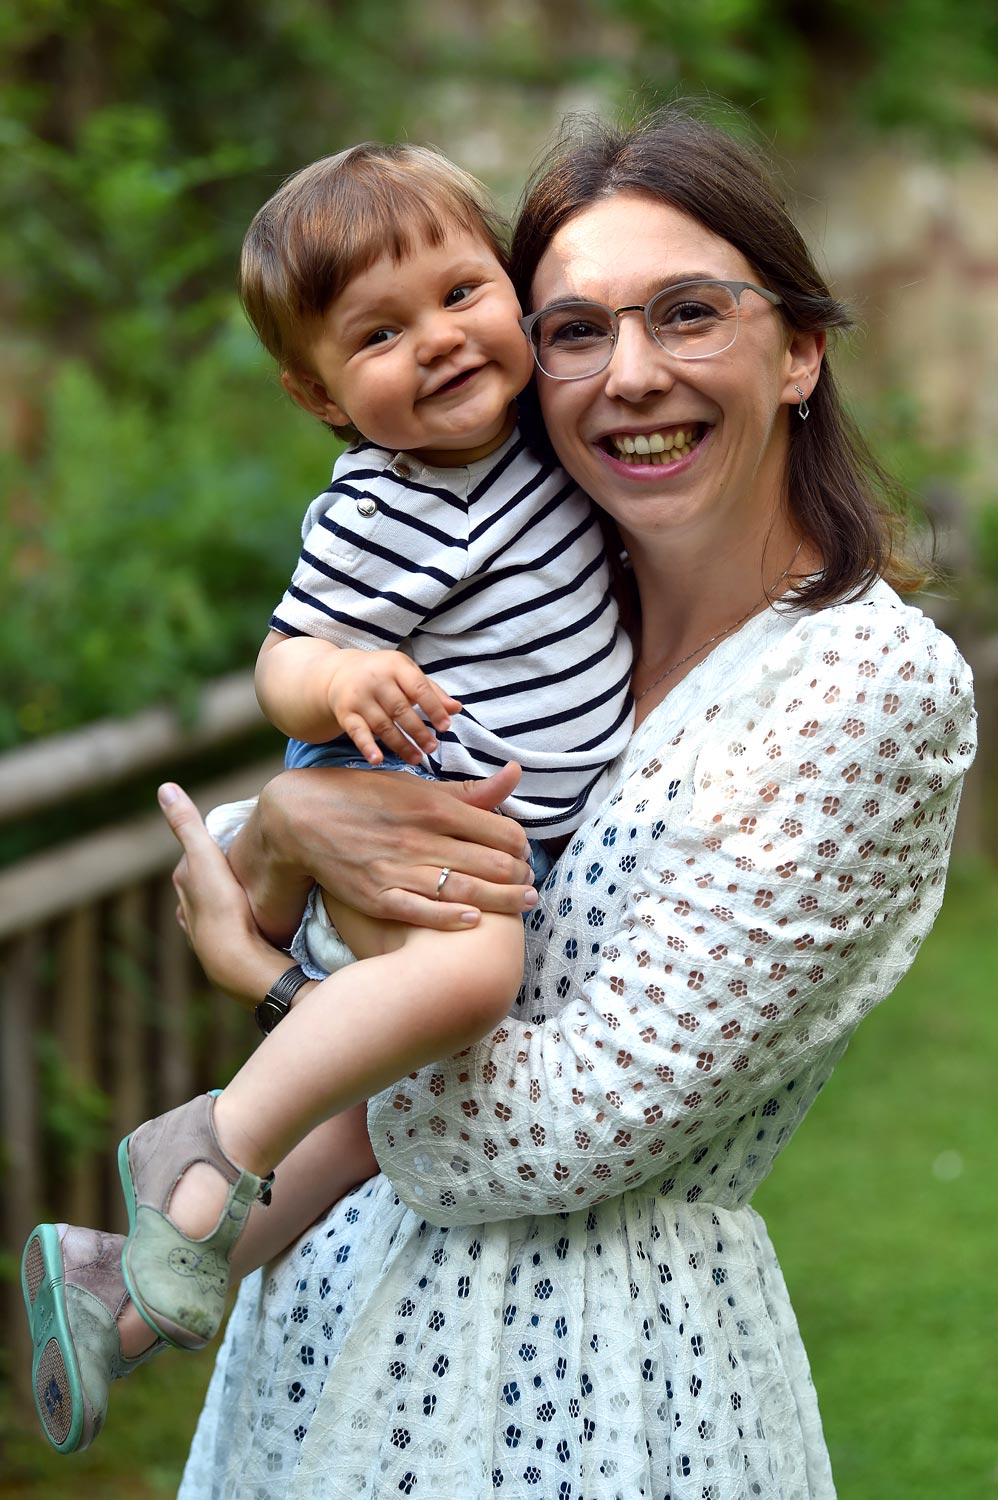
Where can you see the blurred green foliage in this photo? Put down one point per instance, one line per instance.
(150, 539)
(154, 477)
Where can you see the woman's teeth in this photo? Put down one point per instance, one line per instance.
(655, 447)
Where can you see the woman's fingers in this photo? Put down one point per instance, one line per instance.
(202, 879)
(460, 902)
(489, 792)
(186, 823)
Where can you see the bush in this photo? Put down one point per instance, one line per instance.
(147, 545)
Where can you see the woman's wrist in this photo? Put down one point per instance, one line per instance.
(248, 969)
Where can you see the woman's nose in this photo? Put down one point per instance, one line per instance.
(639, 367)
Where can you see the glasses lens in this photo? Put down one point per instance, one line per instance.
(574, 340)
(695, 320)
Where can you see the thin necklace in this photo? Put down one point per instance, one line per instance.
(728, 630)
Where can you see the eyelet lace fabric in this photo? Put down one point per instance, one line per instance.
(557, 1287)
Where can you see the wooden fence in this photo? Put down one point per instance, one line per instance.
(105, 1016)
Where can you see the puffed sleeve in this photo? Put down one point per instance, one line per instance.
(786, 896)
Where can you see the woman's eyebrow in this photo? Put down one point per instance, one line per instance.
(679, 279)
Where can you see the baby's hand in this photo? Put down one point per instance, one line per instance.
(374, 695)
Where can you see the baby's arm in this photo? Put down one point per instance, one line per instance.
(314, 690)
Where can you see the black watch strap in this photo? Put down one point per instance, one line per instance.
(277, 1001)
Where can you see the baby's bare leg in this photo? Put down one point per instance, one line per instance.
(424, 995)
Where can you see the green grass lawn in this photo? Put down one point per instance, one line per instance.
(880, 1215)
(878, 1210)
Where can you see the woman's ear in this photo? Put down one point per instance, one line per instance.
(310, 394)
(805, 351)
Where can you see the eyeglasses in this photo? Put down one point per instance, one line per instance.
(693, 320)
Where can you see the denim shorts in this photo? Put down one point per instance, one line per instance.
(342, 752)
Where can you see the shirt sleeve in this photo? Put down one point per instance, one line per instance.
(369, 572)
(790, 896)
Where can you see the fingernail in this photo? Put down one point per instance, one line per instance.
(166, 794)
(530, 899)
(470, 917)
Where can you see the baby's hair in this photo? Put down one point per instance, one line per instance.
(335, 218)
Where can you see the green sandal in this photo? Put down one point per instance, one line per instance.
(73, 1293)
(177, 1283)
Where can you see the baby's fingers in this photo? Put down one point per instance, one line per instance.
(437, 705)
(360, 732)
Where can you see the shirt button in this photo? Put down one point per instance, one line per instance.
(367, 506)
(402, 469)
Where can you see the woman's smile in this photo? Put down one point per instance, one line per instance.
(665, 450)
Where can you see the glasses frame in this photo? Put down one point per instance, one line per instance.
(736, 288)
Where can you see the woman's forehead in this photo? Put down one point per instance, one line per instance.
(626, 247)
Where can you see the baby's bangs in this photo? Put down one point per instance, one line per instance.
(398, 219)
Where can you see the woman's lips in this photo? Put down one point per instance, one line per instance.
(662, 446)
(658, 449)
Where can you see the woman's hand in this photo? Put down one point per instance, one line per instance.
(379, 844)
(214, 911)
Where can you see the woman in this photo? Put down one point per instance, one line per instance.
(557, 1286)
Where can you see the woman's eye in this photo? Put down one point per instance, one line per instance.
(457, 294)
(577, 331)
(691, 312)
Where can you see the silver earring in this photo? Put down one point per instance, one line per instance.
(803, 410)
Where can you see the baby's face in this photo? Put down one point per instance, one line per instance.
(426, 355)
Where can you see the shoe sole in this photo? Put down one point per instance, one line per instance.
(55, 1371)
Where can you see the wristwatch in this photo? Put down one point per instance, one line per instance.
(277, 1002)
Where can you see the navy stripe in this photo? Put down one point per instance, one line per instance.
(577, 711)
(623, 714)
(407, 518)
(535, 644)
(537, 683)
(360, 485)
(532, 519)
(523, 607)
(276, 623)
(491, 574)
(350, 621)
(366, 545)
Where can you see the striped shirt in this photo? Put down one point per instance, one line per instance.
(493, 578)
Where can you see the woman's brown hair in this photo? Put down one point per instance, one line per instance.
(840, 498)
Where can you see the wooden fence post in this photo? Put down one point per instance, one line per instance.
(19, 1114)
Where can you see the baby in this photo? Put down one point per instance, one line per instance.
(450, 612)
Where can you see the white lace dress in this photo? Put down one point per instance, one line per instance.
(557, 1289)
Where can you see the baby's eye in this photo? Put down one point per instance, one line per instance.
(380, 336)
(457, 294)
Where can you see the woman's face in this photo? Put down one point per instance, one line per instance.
(731, 407)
